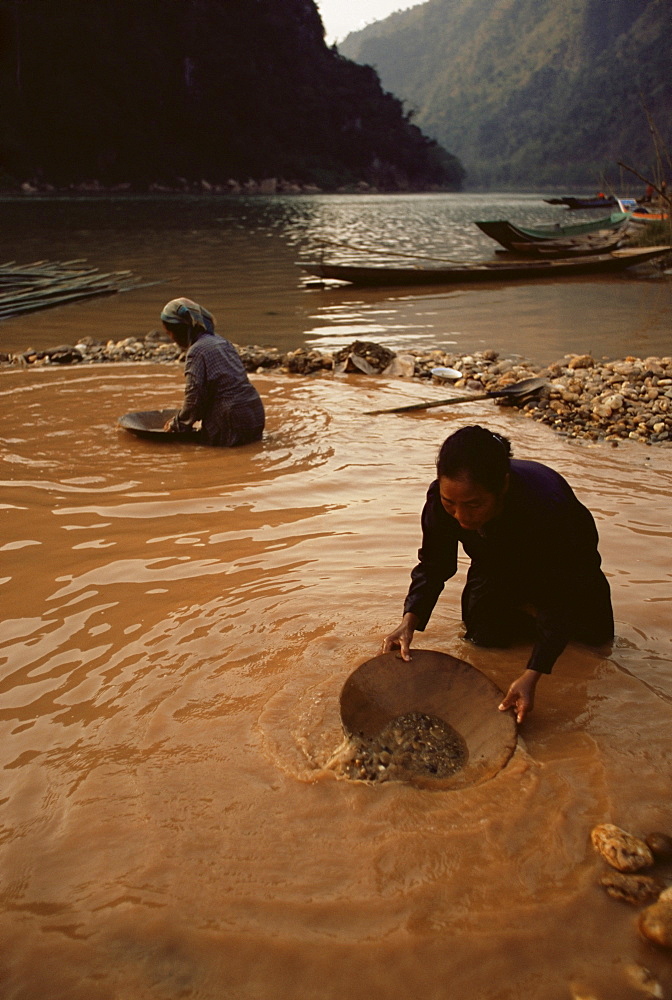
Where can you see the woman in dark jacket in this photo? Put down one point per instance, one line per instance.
(217, 391)
(535, 566)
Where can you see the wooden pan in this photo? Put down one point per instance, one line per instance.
(386, 687)
(150, 424)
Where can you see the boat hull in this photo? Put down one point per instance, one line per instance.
(578, 246)
(583, 203)
(506, 234)
(487, 271)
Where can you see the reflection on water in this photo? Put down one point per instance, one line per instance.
(179, 623)
(239, 257)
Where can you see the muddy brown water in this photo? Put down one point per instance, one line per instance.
(178, 625)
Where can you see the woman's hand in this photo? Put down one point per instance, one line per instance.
(402, 637)
(170, 425)
(520, 695)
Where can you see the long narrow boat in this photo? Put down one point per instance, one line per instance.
(468, 272)
(601, 242)
(598, 201)
(505, 233)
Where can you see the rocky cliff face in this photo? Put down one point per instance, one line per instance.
(168, 89)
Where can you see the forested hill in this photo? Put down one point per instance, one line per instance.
(532, 92)
(169, 90)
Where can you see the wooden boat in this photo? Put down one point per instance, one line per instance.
(597, 201)
(601, 242)
(482, 271)
(643, 213)
(505, 233)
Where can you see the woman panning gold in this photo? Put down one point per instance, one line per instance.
(535, 567)
(217, 391)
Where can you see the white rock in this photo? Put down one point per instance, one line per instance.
(620, 849)
(615, 401)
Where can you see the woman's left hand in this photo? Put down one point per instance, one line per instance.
(520, 695)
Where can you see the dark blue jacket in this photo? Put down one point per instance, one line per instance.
(540, 550)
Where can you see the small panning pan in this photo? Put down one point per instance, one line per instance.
(150, 424)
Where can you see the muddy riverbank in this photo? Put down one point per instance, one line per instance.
(584, 397)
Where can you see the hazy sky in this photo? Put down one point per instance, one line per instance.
(340, 17)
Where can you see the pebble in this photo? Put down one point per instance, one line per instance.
(636, 889)
(597, 400)
(411, 745)
(620, 849)
(660, 845)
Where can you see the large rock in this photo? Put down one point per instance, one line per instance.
(620, 849)
(65, 354)
(655, 922)
(362, 356)
(642, 979)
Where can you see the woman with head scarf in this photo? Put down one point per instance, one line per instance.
(535, 567)
(217, 391)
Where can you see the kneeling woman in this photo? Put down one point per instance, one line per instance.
(533, 548)
(217, 391)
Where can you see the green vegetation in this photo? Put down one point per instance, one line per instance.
(174, 91)
(532, 93)
(652, 234)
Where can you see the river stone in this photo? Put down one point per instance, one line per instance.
(635, 889)
(411, 746)
(661, 846)
(655, 923)
(65, 354)
(620, 849)
(643, 979)
(581, 361)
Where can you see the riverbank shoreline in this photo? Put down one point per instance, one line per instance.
(596, 399)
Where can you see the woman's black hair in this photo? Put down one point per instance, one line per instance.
(478, 453)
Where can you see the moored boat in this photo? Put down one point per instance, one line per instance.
(506, 233)
(643, 213)
(579, 246)
(596, 201)
(483, 271)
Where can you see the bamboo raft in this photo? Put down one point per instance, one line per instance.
(43, 284)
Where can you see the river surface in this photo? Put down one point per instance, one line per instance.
(178, 623)
(238, 257)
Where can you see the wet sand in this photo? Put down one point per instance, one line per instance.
(179, 623)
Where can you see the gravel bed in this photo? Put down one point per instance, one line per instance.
(596, 399)
(411, 746)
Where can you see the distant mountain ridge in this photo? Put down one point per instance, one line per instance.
(532, 92)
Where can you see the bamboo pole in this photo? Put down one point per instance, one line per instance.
(645, 180)
(43, 283)
(33, 306)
